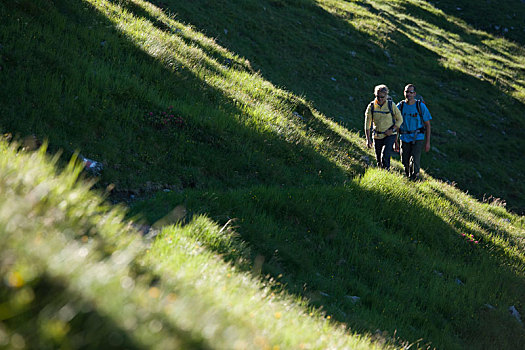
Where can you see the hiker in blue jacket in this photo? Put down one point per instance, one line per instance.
(414, 132)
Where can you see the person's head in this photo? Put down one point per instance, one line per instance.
(410, 92)
(381, 93)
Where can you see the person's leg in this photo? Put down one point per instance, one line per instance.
(417, 149)
(406, 153)
(378, 144)
(388, 150)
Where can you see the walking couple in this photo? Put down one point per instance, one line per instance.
(409, 119)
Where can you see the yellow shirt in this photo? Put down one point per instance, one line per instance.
(382, 118)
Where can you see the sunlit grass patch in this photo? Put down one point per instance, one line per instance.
(260, 181)
(374, 249)
(77, 274)
(237, 309)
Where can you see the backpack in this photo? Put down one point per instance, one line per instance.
(419, 101)
(389, 102)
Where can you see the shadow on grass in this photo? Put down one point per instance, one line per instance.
(328, 244)
(326, 58)
(470, 161)
(498, 18)
(406, 265)
(116, 84)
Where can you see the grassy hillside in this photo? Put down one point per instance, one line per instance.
(75, 276)
(239, 123)
(287, 273)
(106, 72)
(425, 261)
(131, 73)
(334, 52)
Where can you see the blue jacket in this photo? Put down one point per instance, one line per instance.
(411, 129)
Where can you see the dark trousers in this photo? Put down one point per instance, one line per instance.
(411, 157)
(384, 150)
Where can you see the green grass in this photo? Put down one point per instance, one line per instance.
(225, 111)
(77, 276)
(80, 276)
(334, 52)
(401, 248)
(113, 65)
(238, 125)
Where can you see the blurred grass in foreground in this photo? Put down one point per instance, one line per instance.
(77, 276)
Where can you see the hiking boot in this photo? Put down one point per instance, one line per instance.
(415, 177)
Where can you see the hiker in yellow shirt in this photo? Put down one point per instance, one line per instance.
(387, 119)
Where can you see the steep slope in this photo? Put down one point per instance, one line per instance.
(334, 52)
(156, 102)
(330, 52)
(245, 141)
(76, 276)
